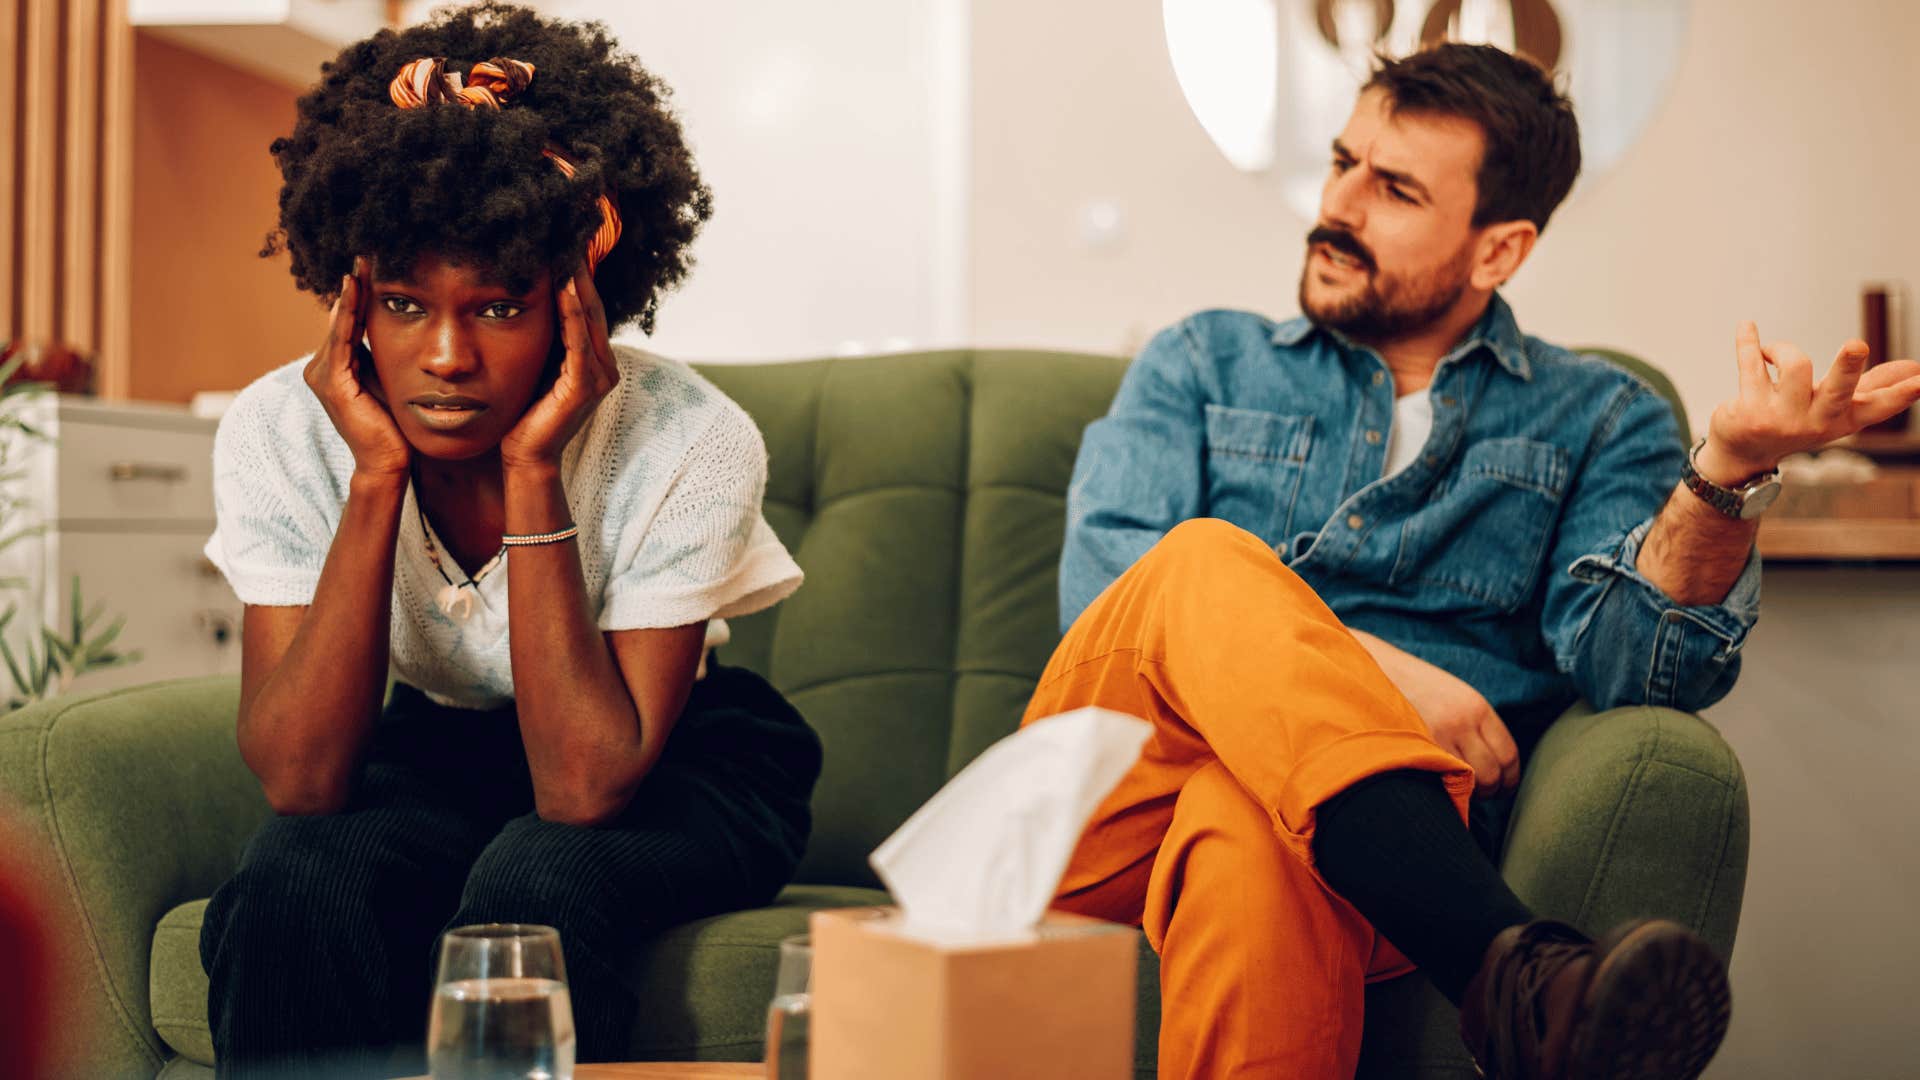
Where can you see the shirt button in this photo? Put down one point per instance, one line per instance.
(1373, 437)
(1354, 521)
(1447, 400)
(1379, 377)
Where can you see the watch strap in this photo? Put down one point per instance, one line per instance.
(1728, 501)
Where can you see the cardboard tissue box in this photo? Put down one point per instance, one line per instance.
(971, 978)
(1053, 1004)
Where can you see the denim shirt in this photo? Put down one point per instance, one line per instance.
(1505, 553)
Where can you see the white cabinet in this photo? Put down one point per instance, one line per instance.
(125, 492)
(286, 40)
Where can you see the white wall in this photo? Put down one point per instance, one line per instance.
(832, 136)
(1776, 179)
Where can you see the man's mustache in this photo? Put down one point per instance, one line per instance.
(1342, 241)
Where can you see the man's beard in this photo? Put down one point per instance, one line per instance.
(1390, 307)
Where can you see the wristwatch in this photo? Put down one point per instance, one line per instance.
(1743, 503)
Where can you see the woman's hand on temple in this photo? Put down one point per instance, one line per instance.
(588, 372)
(338, 375)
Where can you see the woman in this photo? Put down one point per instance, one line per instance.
(534, 531)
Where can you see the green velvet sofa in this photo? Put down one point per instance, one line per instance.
(923, 494)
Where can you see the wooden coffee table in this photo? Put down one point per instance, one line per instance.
(667, 1070)
(671, 1071)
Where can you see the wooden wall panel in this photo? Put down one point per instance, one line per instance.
(38, 170)
(78, 304)
(65, 141)
(116, 201)
(12, 81)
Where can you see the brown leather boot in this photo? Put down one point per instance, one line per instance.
(1648, 1001)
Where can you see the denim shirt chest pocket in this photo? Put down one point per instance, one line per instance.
(1254, 461)
(1487, 524)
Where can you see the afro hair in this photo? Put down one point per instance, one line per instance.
(364, 177)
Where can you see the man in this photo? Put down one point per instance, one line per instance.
(1473, 529)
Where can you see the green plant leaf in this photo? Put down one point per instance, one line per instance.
(63, 649)
(26, 387)
(39, 669)
(55, 657)
(102, 643)
(93, 616)
(111, 660)
(20, 534)
(20, 680)
(104, 640)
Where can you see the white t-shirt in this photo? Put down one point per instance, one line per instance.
(664, 481)
(1412, 423)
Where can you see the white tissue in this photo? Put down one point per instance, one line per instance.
(983, 857)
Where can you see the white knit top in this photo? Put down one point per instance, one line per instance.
(664, 481)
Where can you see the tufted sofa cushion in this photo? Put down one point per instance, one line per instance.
(924, 495)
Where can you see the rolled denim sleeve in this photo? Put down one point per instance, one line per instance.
(1620, 638)
(1138, 473)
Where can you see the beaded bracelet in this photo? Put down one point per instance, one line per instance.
(540, 538)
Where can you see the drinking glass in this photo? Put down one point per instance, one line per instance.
(787, 1016)
(500, 1006)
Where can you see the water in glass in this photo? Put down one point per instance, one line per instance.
(787, 1015)
(501, 1009)
(501, 1029)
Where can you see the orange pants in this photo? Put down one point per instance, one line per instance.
(1263, 706)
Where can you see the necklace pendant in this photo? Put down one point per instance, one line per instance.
(455, 603)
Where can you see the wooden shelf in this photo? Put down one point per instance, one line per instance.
(1867, 520)
(1839, 539)
(1891, 444)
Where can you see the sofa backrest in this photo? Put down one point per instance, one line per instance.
(1653, 377)
(924, 496)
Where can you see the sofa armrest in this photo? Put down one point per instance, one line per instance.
(1633, 812)
(141, 802)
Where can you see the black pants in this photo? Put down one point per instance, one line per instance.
(321, 948)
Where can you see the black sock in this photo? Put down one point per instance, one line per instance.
(1395, 847)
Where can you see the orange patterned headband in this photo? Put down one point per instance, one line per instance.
(490, 84)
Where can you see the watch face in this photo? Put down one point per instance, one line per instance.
(1758, 498)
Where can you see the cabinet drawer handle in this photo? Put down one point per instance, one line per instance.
(141, 470)
(217, 625)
